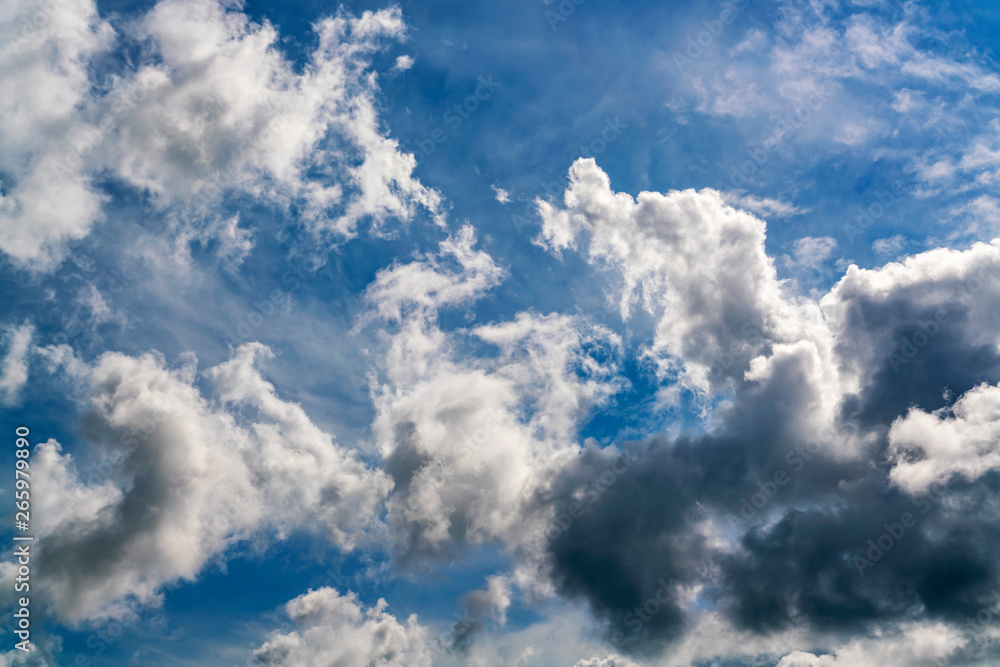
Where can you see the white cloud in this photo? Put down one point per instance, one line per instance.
(310, 480)
(428, 285)
(754, 42)
(958, 440)
(502, 195)
(833, 67)
(469, 440)
(43, 80)
(613, 660)
(268, 124)
(335, 629)
(914, 646)
(892, 245)
(698, 264)
(810, 253)
(18, 658)
(14, 367)
(214, 109)
(765, 207)
(975, 159)
(180, 478)
(403, 63)
(981, 217)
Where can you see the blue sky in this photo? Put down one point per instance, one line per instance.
(402, 280)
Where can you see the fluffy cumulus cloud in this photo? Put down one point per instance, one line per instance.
(467, 440)
(44, 83)
(958, 440)
(693, 261)
(917, 332)
(180, 477)
(335, 629)
(214, 109)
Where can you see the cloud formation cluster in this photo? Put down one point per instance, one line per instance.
(215, 111)
(835, 504)
(182, 477)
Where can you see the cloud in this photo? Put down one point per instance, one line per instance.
(916, 644)
(212, 110)
(610, 661)
(810, 252)
(44, 79)
(764, 206)
(180, 478)
(502, 195)
(957, 440)
(14, 366)
(334, 629)
(698, 264)
(983, 218)
(267, 132)
(18, 658)
(819, 76)
(403, 63)
(466, 440)
(911, 331)
(892, 245)
(481, 606)
(426, 286)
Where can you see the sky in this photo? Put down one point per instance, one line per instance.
(562, 333)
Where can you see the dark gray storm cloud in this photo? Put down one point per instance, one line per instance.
(822, 541)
